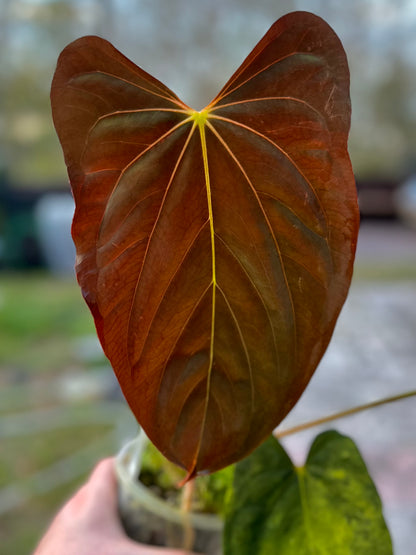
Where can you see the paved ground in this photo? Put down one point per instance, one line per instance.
(386, 242)
(373, 355)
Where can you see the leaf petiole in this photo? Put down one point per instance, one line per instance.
(311, 424)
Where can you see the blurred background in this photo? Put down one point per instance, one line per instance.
(59, 403)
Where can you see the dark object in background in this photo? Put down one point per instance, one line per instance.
(19, 244)
(376, 198)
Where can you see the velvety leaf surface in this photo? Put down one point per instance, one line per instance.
(214, 248)
(330, 506)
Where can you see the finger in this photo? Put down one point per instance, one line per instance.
(94, 506)
(102, 483)
(102, 491)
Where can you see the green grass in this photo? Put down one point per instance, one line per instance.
(403, 271)
(39, 316)
(38, 304)
(21, 528)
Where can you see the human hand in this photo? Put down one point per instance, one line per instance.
(89, 525)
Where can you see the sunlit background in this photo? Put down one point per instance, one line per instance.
(59, 402)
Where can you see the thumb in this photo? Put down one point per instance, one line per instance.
(97, 500)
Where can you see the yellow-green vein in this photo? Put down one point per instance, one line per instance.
(284, 153)
(300, 473)
(200, 119)
(152, 232)
(272, 233)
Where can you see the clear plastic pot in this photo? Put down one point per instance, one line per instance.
(151, 520)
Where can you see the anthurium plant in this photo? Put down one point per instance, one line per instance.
(215, 250)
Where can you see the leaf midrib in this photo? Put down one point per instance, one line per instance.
(200, 119)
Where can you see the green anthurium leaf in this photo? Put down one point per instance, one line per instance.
(330, 506)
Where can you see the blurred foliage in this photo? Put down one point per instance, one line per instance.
(163, 477)
(194, 47)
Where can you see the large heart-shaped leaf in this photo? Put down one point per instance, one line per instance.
(214, 248)
(329, 506)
